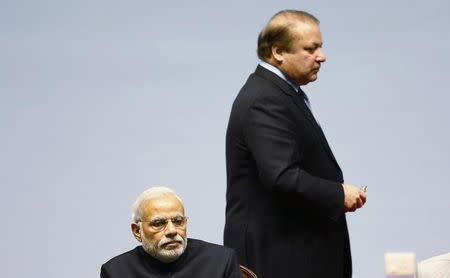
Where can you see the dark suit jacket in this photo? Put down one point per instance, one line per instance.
(200, 260)
(284, 213)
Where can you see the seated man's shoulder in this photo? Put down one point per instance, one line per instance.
(124, 257)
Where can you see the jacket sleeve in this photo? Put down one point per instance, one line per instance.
(275, 142)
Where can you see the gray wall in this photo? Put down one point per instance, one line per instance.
(101, 99)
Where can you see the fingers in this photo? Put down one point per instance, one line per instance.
(363, 197)
(355, 197)
(359, 203)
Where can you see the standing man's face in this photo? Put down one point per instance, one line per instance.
(167, 242)
(303, 63)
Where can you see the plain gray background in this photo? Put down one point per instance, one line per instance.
(101, 99)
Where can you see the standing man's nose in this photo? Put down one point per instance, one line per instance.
(321, 56)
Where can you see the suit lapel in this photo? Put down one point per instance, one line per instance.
(307, 112)
(299, 101)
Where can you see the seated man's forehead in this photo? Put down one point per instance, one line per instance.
(166, 216)
(166, 203)
(163, 207)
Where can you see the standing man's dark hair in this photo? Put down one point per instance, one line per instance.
(286, 200)
(279, 32)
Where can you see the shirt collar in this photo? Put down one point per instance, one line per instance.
(279, 73)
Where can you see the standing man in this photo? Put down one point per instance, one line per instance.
(286, 201)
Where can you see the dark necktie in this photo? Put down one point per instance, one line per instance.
(308, 104)
(305, 98)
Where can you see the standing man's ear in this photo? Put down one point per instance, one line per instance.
(136, 230)
(277, 54)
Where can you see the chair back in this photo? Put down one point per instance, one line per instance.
(438, 266)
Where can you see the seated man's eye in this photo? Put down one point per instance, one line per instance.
(158, 223)
(178, 221)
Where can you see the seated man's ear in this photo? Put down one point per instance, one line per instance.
(136, 230)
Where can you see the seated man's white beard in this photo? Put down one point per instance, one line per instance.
(165, 256)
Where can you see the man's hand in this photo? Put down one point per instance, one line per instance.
(355, 197)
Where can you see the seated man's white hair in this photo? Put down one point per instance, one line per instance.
(147, 195)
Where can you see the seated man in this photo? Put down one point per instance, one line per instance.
(159, 224)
